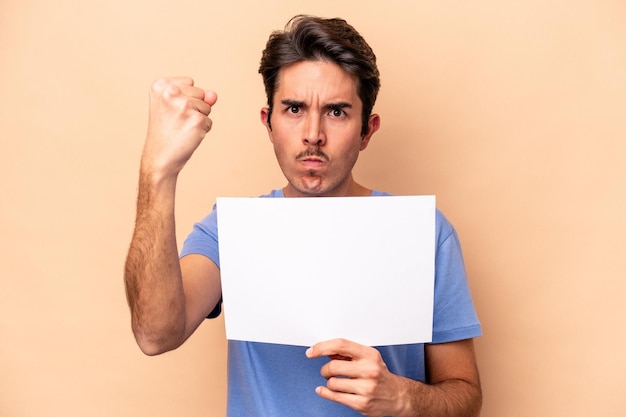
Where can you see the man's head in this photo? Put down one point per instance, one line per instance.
(308, 38)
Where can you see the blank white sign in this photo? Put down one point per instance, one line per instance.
(298, 271)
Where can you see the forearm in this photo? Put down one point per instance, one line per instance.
(152, 273)
(451, 398)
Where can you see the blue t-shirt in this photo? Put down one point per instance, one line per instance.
(278, 380)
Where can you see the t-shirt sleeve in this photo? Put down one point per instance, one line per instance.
(454, 316)
(203, 241)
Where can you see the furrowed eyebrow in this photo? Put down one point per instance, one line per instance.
(338, 106)
(289, 103)
(330, 106)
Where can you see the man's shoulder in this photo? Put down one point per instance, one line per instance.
(278, 193)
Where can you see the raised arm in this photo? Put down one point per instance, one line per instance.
(168, 299)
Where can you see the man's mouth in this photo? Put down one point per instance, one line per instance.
(312, 157)
(312, 162)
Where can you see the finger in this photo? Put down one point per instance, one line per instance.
(170, 84)
(348, 399)
(210, 97)
(348, 386)
(191, 91)
(339, 368)
(202, 107)
(342, 347)
(203, 100)
(186, 95)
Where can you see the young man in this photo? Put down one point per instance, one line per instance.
(321, 82)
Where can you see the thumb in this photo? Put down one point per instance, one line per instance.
(210, 97)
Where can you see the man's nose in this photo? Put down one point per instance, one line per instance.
(313, 133)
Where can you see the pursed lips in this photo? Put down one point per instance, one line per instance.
(312, 162)
(314, 159)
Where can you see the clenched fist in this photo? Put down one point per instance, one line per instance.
(178, 121)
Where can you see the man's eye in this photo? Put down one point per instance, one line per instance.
(294, 109)
(337, 112)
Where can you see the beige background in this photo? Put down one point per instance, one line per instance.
(512, 113)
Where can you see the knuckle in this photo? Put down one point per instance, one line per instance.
(328, 369)
(369, 389)
(376, 355)
(159, 85)
(169, 91)
(332, 367)
(198, 119)
(374, 370)
(363, 404)
(342, 343)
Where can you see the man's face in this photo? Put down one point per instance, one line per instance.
(316, 129)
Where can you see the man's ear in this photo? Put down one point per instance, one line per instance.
(373, 124)
(265, 119)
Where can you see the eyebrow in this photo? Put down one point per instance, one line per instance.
(332, 106)
(338, 106)
(289, 103)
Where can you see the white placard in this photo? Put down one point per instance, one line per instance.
(299, 271)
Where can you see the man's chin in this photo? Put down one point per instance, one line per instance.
(308, 187)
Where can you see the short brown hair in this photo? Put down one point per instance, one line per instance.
(309, 38)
